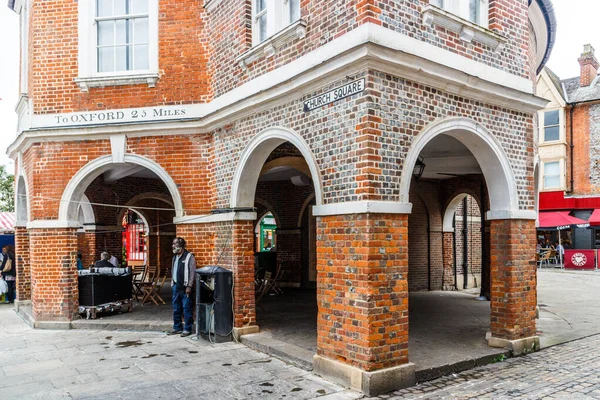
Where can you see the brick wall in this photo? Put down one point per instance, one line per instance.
(23, 266)
(54, 291)
(362, 289)
(581, 151)
(230, 30)
(513, 279)
(183, 60)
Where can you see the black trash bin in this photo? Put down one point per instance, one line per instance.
(214, 301)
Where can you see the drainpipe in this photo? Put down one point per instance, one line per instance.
(454, 251)
(428, 254)
(571, 147)
(465, 245)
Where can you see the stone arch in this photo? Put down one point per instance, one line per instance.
(487, 151)
(87, 211)
(253, 159)
(22, 201)
(453, 204)
(84, 177)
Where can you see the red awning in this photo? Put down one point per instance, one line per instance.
(595, 218)
(559, 220)
(7, 221)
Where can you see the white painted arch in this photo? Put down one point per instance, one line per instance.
(22, 201)
(85, 212)
(253, 158)
(451, 210)
(83, 178)
(488, 152)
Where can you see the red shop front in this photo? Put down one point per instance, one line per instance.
(580, 259)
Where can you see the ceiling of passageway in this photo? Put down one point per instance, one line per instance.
(120, 171)
(446, 158)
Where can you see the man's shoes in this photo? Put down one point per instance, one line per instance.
(174, 332)
(185, 333)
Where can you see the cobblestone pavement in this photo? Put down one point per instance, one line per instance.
(84, 364)
(568, 371)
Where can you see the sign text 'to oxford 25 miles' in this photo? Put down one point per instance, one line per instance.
(334, 95)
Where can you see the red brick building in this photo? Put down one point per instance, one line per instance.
(568, 150)
(204, 116)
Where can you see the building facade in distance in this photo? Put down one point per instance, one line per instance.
(361, 126)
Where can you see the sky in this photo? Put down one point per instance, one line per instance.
(576, 22)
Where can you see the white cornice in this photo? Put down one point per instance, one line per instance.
(509, 214)
(362, 207)
(52, 224)
(210, 218)
(369, 46)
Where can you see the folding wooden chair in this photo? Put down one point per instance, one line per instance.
(138, 273)
(151, 287)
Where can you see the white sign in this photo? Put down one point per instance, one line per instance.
(336, 94)
(119, 116)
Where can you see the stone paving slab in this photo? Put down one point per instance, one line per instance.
(95, 364)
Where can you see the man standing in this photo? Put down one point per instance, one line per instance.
(183, 275)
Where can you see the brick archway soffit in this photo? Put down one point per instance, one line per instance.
(304, 208)
(253, 160)
(84, 177)
(489, 154)
(298, 163)
(22, 201)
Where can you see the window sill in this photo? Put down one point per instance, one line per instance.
(467, 31)
(269, 47)
(116, 80)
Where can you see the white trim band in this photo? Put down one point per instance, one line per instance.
(362, 207)
(510, 214)
(210, 218)
(53, 224)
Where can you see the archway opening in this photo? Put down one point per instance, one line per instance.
(127, 210)
(448, 253)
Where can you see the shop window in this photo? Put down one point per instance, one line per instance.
(551, 126)
(475, 11)
(268, 237)
(552, 175)
(271, 16)
(118, 42)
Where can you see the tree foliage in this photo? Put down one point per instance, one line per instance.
(7, 190)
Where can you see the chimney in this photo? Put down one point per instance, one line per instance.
(589, 66)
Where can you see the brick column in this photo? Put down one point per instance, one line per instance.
(513, 278)
(54, 294)
(362, 294)
(448, 260)
(22, 261)
(242, 265)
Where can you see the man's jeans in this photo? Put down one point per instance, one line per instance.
(182, 306)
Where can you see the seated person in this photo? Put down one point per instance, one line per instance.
(113, 260)
(103, 262)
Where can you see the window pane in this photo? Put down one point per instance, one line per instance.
(121, 36)
(551, 182)
(551, 168)
(106, 59)
(437, 3)
(551, 118)
(294, 10)
(140, 57)
(474, 11)
(551, 133)
(103, 8)
(140, 34)
(122, 61)
(121, 7)
(139, 6)
(262, 27)
(105, 33)
(260, 5)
